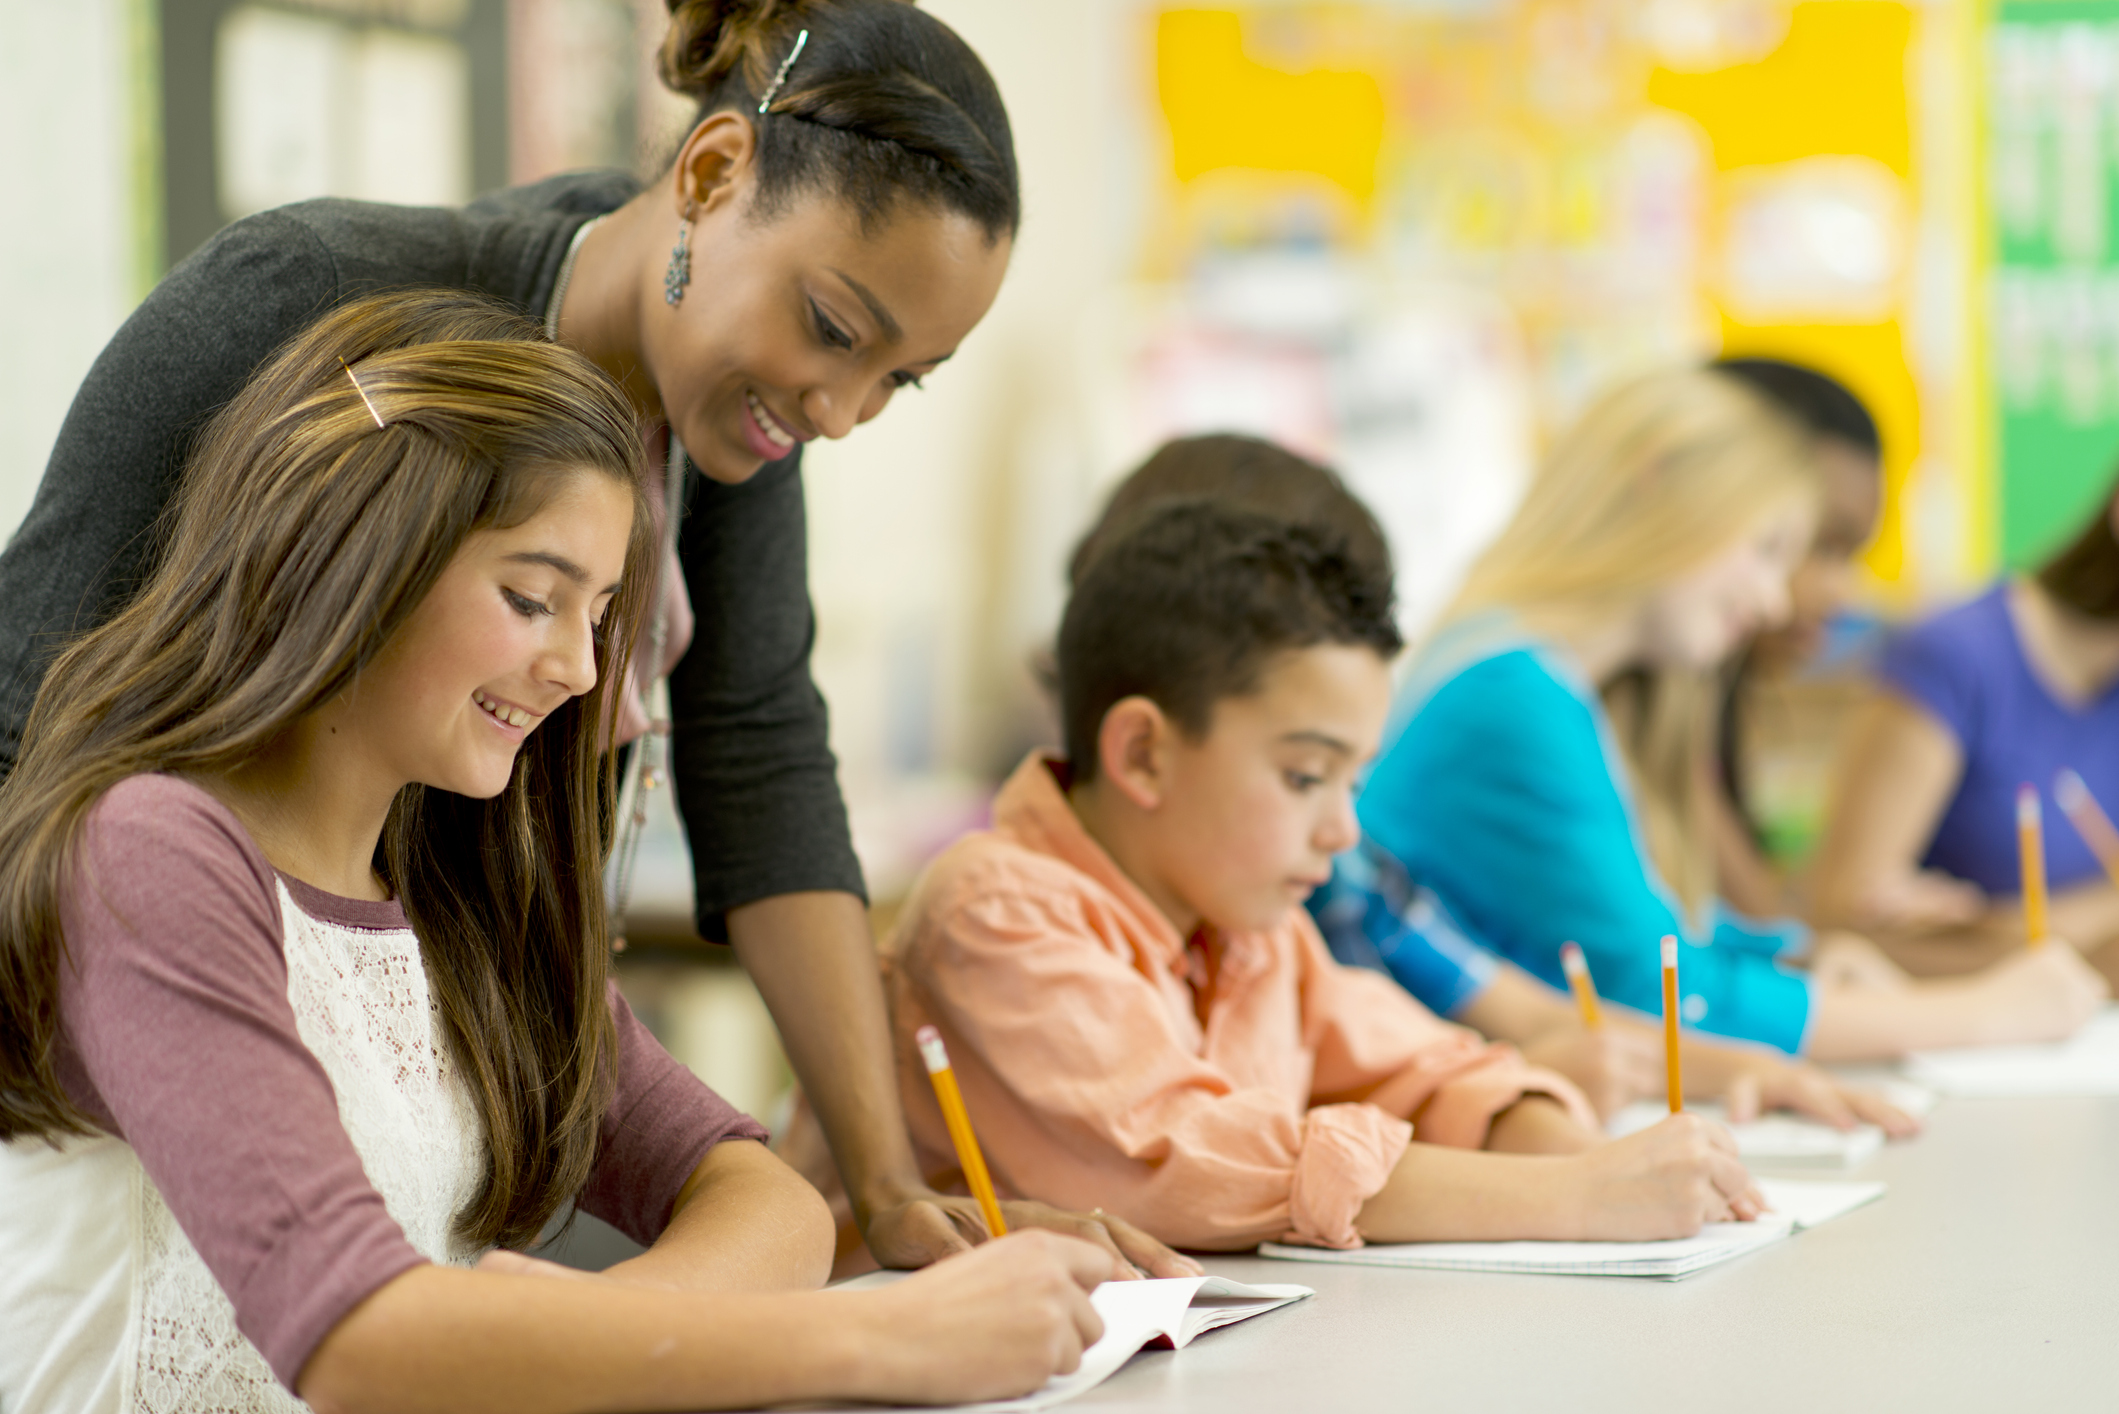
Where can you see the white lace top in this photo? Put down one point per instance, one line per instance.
(103, 1316)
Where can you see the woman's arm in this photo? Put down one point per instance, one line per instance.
(989, 1324)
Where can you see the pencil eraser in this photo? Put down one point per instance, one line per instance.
(1571, 959)
(2026, 804)
(932, 1050)
(1670, 950)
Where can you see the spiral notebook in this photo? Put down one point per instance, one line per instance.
(1797, 1204)
(1165, 1314)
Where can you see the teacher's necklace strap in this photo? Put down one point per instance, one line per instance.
(566, 277)
(646, 770)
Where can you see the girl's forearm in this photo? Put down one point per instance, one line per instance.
(1859, 1024)
(744, 1222)
(441, 1339)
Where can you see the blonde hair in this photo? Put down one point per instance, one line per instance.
(1658, 477)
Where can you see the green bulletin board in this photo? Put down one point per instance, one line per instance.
(2052, 282)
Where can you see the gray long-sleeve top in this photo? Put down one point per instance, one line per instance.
(754, 773)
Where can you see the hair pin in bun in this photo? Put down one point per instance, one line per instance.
(772, 89)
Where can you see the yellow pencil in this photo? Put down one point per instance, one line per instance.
(968, 1156)
(1670, 1023)
(2089, 820)
(2030, 849)
(1577, 969)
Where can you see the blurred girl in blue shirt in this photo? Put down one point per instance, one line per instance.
(1658, 534)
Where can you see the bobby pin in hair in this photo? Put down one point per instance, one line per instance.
(793, 54)
(362, 391)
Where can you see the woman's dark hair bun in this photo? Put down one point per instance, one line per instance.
(705, 40)
(885, 104)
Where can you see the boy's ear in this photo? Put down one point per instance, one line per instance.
(1131, 747)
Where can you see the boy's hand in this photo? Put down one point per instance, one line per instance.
(1614, 1065)
(1664, 1182)
(1011, 1314)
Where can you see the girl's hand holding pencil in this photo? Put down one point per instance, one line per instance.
(1013, 1312)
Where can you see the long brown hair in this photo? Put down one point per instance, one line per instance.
(301, 539)
(2084, 575)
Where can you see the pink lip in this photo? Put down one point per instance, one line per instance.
(754, 436)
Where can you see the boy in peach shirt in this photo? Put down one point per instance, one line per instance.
(1142, 1016)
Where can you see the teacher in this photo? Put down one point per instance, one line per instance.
(838, 219)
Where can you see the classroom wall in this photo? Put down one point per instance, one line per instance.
(1411, 213)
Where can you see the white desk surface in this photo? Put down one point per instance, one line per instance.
(1986, 1279)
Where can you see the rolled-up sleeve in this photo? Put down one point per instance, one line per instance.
(1376, 1045)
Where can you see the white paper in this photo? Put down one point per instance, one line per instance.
(1796, 1204)
(1808, 1203)
(1774, 1140)
(2086, 1065)
(1135, 1314)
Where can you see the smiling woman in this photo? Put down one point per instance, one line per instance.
(303, 971)
(837, 220)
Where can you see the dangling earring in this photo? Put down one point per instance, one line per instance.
(679, 274)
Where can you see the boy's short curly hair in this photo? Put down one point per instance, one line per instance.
(1188, 605)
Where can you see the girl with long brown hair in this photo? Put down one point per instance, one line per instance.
(835, 223)
(304, 994)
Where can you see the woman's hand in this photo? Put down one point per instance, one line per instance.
(924, 1229)
(1666, 1181)
(1614, 1064)
(992, 1323)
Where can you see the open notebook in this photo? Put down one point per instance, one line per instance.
(1165, 1314)
(1770, 1141)
(1797, 1204)
(2086, 1065)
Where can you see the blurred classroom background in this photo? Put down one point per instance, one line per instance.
(1409, 237)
